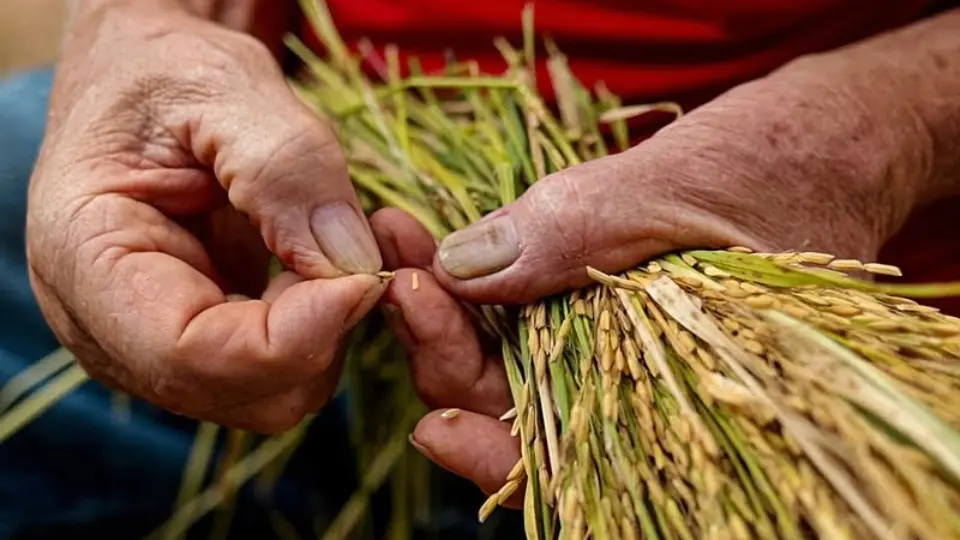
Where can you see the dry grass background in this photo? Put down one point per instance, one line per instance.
(29, 33)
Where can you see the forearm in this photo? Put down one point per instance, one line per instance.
(870, 131)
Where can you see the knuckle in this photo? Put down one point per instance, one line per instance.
(215, 58)
(267, 164)
(171, 380)
(254, 51)
(193, 82)
(62, 258)
(562, 229)
(172, 384)
(277, 170)
(218, 67)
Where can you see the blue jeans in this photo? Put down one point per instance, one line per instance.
(81, 471)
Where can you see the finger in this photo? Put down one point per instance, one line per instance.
(268, 416)
(448, 366)
(201, 8)
(590, 215)
(181, 341)
(279, 284)
(252, 348)
(471, 445)
(403, 241)
(283, 411)
(241, 260)
(319, 390)
(281, 166)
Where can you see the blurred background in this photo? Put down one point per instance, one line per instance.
(29, 33)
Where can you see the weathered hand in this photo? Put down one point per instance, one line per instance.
(176, 161)
(767, 166)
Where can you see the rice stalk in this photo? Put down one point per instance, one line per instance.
(34, 405)
(195, 470)
(28, 379)
(376, 474)
(704, 394)
(236, 475)
(282, 528)
(237, 444)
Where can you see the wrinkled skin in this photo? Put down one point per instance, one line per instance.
(176, 160)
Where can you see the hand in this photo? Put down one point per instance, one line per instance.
(176, 161)
(267, 20)
(767, 167)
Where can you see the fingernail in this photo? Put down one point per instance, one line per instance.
(345, 239)
(481, 249)
(420, 448)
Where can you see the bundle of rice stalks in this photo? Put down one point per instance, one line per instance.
(706, 394)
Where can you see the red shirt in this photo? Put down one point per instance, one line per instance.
(642, 49)
(647, 50)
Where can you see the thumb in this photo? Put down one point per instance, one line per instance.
(610, 214)
(282, 167)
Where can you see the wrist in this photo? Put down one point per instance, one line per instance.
(858, 136)
(808, 160)
(907, 81)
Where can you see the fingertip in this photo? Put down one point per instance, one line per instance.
(542, 243)
(447, 361)
(310, 317)
(387, 242)
(483, 248)
(471, 445)
(403, 241)
(518, 284)
(411, 287)
(414, 305)
(337, 294)
(486, 263)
